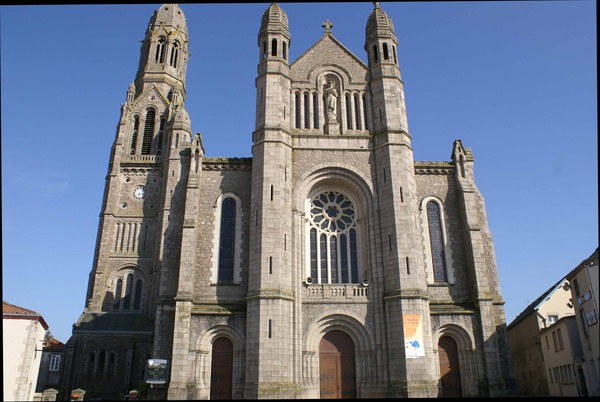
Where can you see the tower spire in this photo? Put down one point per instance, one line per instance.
(164, 54)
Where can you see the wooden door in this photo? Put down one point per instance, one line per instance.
(221, 373)
(449, 368)
(337, 367)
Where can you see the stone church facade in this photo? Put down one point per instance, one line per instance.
(329, 264)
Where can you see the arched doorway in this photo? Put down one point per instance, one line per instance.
(449, 368)
(221, 373)
(337, 369)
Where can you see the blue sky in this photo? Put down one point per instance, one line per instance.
(515, 81)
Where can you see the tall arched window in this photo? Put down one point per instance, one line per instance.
(134, 134)
(159, 140)
(159, 57)
(364, 103)
(357, 123)
(118, 290)
(137, 296)
(386, 53)
(297, 108)
(91, 362)
(274, 47)
(315, 110)
(306, 111)
(128, 287)
(111, 363)
(348, 111)
(148, 131)
(101, 361)
(333, 239)
(174, 54)
(227, 240)
(375, 53)
(436, 242)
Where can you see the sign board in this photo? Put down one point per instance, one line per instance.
(156, 371)
(413, 336)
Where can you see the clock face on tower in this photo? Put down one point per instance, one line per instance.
(139, 192)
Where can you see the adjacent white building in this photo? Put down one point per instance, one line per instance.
(584, 288)
(554, 341)
(23, 334)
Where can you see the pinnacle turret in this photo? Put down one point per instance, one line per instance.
(379, 24)
(169, 15)
(274, 35)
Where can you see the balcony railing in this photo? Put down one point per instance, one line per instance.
(341, 293)
(141, 159)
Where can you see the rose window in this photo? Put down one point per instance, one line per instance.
(332, 212)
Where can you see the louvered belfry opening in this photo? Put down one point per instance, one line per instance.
(148, 132)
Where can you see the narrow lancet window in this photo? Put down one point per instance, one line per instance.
(137, 301)
(306, 111)
(159, 57)
(174, 54)
(227, 240)
(101, 361)
(111, 363)
(315, 110)
(91, 362)
(364, 101)
(118, 290)
(128, 289)
(274, 47)
(297, 108)
(358, 123)
(160, 139)
(134, 134)
(348, 111)
(436, 241)
(386, 54)
(284, 50)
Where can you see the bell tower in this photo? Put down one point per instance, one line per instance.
(405, 286)
(271, 348)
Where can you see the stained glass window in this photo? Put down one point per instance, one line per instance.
(227, 241)
(436, 242)
(334, 256)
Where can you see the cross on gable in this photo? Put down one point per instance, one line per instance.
(327, 25)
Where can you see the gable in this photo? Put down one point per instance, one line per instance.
(328, 53)
(150, 96)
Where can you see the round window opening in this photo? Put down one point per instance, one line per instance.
(332, 212)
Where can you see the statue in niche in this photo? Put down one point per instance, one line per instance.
(331, 95)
